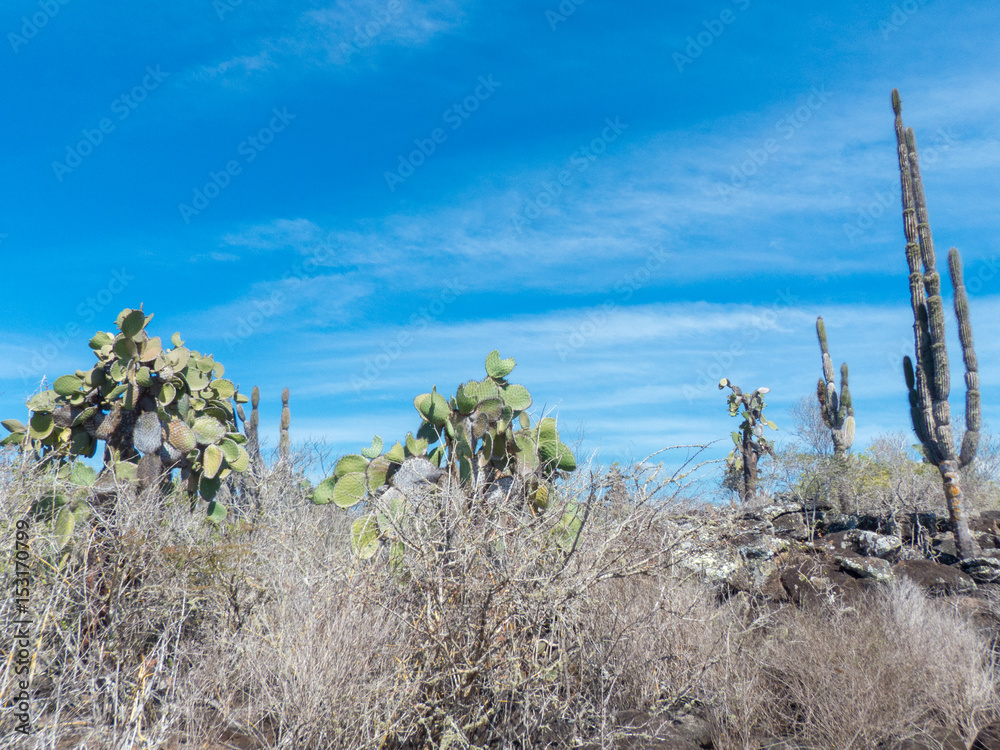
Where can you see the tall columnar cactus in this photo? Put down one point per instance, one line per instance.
(837, 411)
(250, 484)
(927, 375)
(284, 444)
(838, 415)
(252, 428)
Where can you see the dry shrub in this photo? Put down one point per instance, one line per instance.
(487, 630)
(160, 629)
(829, 677)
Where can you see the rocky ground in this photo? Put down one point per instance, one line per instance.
(807, 554)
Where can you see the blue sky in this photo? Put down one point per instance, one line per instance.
(360, 200)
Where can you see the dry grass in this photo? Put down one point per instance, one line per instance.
(856, 677)
(157, 628)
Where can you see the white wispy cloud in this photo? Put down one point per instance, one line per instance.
(340, 35)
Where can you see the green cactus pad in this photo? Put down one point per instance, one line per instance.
(208, 487)
(44, 401)
(178, 359)
(82, 475)
(216, 511)
(415, 446)
(391, 518)
(166, 394)
(350, 490)
(497, 368)
(196, 379)
(67, 385)
(323, 492)
(374, 450)
(491, 408)
(40, 425)
(432, 407)
(377, 471)
(133, 323)
(118, 371)
(516, 397)
(100, 340)
(569, 527)
(557, 454)
(538, 495)
(208, 430)
(223, 388)
(242, 460)
(467, 397)
(364, 537)
(125, 471)
(150, 349)
(13, 425)
(65, 522)
(230, 450)
(125, 348)
(350, 463)
(396, 454)
(211, 461)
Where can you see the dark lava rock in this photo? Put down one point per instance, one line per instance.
(935, 578)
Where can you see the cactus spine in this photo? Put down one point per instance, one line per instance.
(927, 375)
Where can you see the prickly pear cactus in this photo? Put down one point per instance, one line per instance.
(749, 441)
(156, 409)
(479, 435)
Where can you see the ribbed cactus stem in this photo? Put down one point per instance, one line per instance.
(970, 441)
(253, 437)
(927, 375)
(284, 445)
(836, 409)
